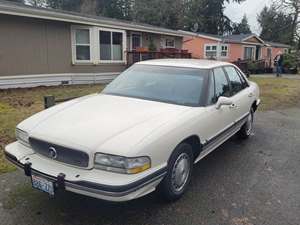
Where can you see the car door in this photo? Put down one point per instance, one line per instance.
(218, 121)
(239, 95)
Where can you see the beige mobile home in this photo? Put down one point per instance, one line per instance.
(48, 47)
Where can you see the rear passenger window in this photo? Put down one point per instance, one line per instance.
(221, 84)
(244, 82)
(235, 80)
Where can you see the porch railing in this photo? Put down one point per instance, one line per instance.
(253, 66)
(134, 56)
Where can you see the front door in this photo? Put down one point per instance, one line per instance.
(219, 122)
(258, 53)
(136, 41)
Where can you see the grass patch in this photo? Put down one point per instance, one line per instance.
(18, 104)
(278, 93)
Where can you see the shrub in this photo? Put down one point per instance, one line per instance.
(290, 61)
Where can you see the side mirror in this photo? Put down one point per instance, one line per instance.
(223, 101)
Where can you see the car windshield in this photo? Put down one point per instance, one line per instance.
(183, 86)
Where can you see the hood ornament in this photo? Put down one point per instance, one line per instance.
(52, 153)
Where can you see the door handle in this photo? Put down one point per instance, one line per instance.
(250, 95)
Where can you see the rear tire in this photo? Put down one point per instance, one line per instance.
(179, 172)
(247, 129)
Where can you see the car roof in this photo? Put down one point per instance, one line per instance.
(188, 63)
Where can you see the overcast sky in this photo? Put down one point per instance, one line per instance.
(251, 8)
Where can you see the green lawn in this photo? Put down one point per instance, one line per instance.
(18, 104)
(278, 93)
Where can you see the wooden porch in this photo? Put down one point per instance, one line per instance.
(254, 66)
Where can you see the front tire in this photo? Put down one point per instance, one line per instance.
(178, 176)
(247, 129)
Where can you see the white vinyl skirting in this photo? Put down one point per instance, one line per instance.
(24, 81)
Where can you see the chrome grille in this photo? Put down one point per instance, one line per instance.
(63, 154)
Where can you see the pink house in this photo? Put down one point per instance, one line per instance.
(232, 47)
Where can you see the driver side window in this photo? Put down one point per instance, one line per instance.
(221, 84)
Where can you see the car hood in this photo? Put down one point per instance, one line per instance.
(88, 123)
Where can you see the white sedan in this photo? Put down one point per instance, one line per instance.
(143, 132)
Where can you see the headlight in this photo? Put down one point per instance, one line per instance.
(120, 164)
(22, 137)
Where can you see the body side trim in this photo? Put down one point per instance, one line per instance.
(220, 138)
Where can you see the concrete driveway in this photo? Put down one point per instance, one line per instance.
(242, 183)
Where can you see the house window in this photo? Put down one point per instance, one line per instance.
(136, 41)
(224, 51)
(170, 43)
(211, 51)
(97, 45)
(111, 45)
(249, 53)
(82, 44)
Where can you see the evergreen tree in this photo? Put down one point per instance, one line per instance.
(68, 5)
(292, 7)
(243, 27)
(18, 1)
(275, 25)
(196, 15)
(208, 15)
(167, 13)
(119, 9)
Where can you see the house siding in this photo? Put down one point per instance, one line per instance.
(236, 51)
(275, 52)
(31, 46)
(195, 45)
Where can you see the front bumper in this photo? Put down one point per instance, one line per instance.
(85, 182)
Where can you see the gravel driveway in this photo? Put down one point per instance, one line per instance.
(242, 183)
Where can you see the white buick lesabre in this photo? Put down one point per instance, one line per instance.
(143, 132)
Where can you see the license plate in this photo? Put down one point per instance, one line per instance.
(42, 184)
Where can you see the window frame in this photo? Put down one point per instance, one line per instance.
(227, 51)
(210, 45)
(95, 45)
(241, 80)
(211, 83)
(242, 77)
(98, 29)
(226, 76)
(74, 44)
(166, 40)
(253, 52)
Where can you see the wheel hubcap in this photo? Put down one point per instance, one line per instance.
(180, 172)
(249, 124)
